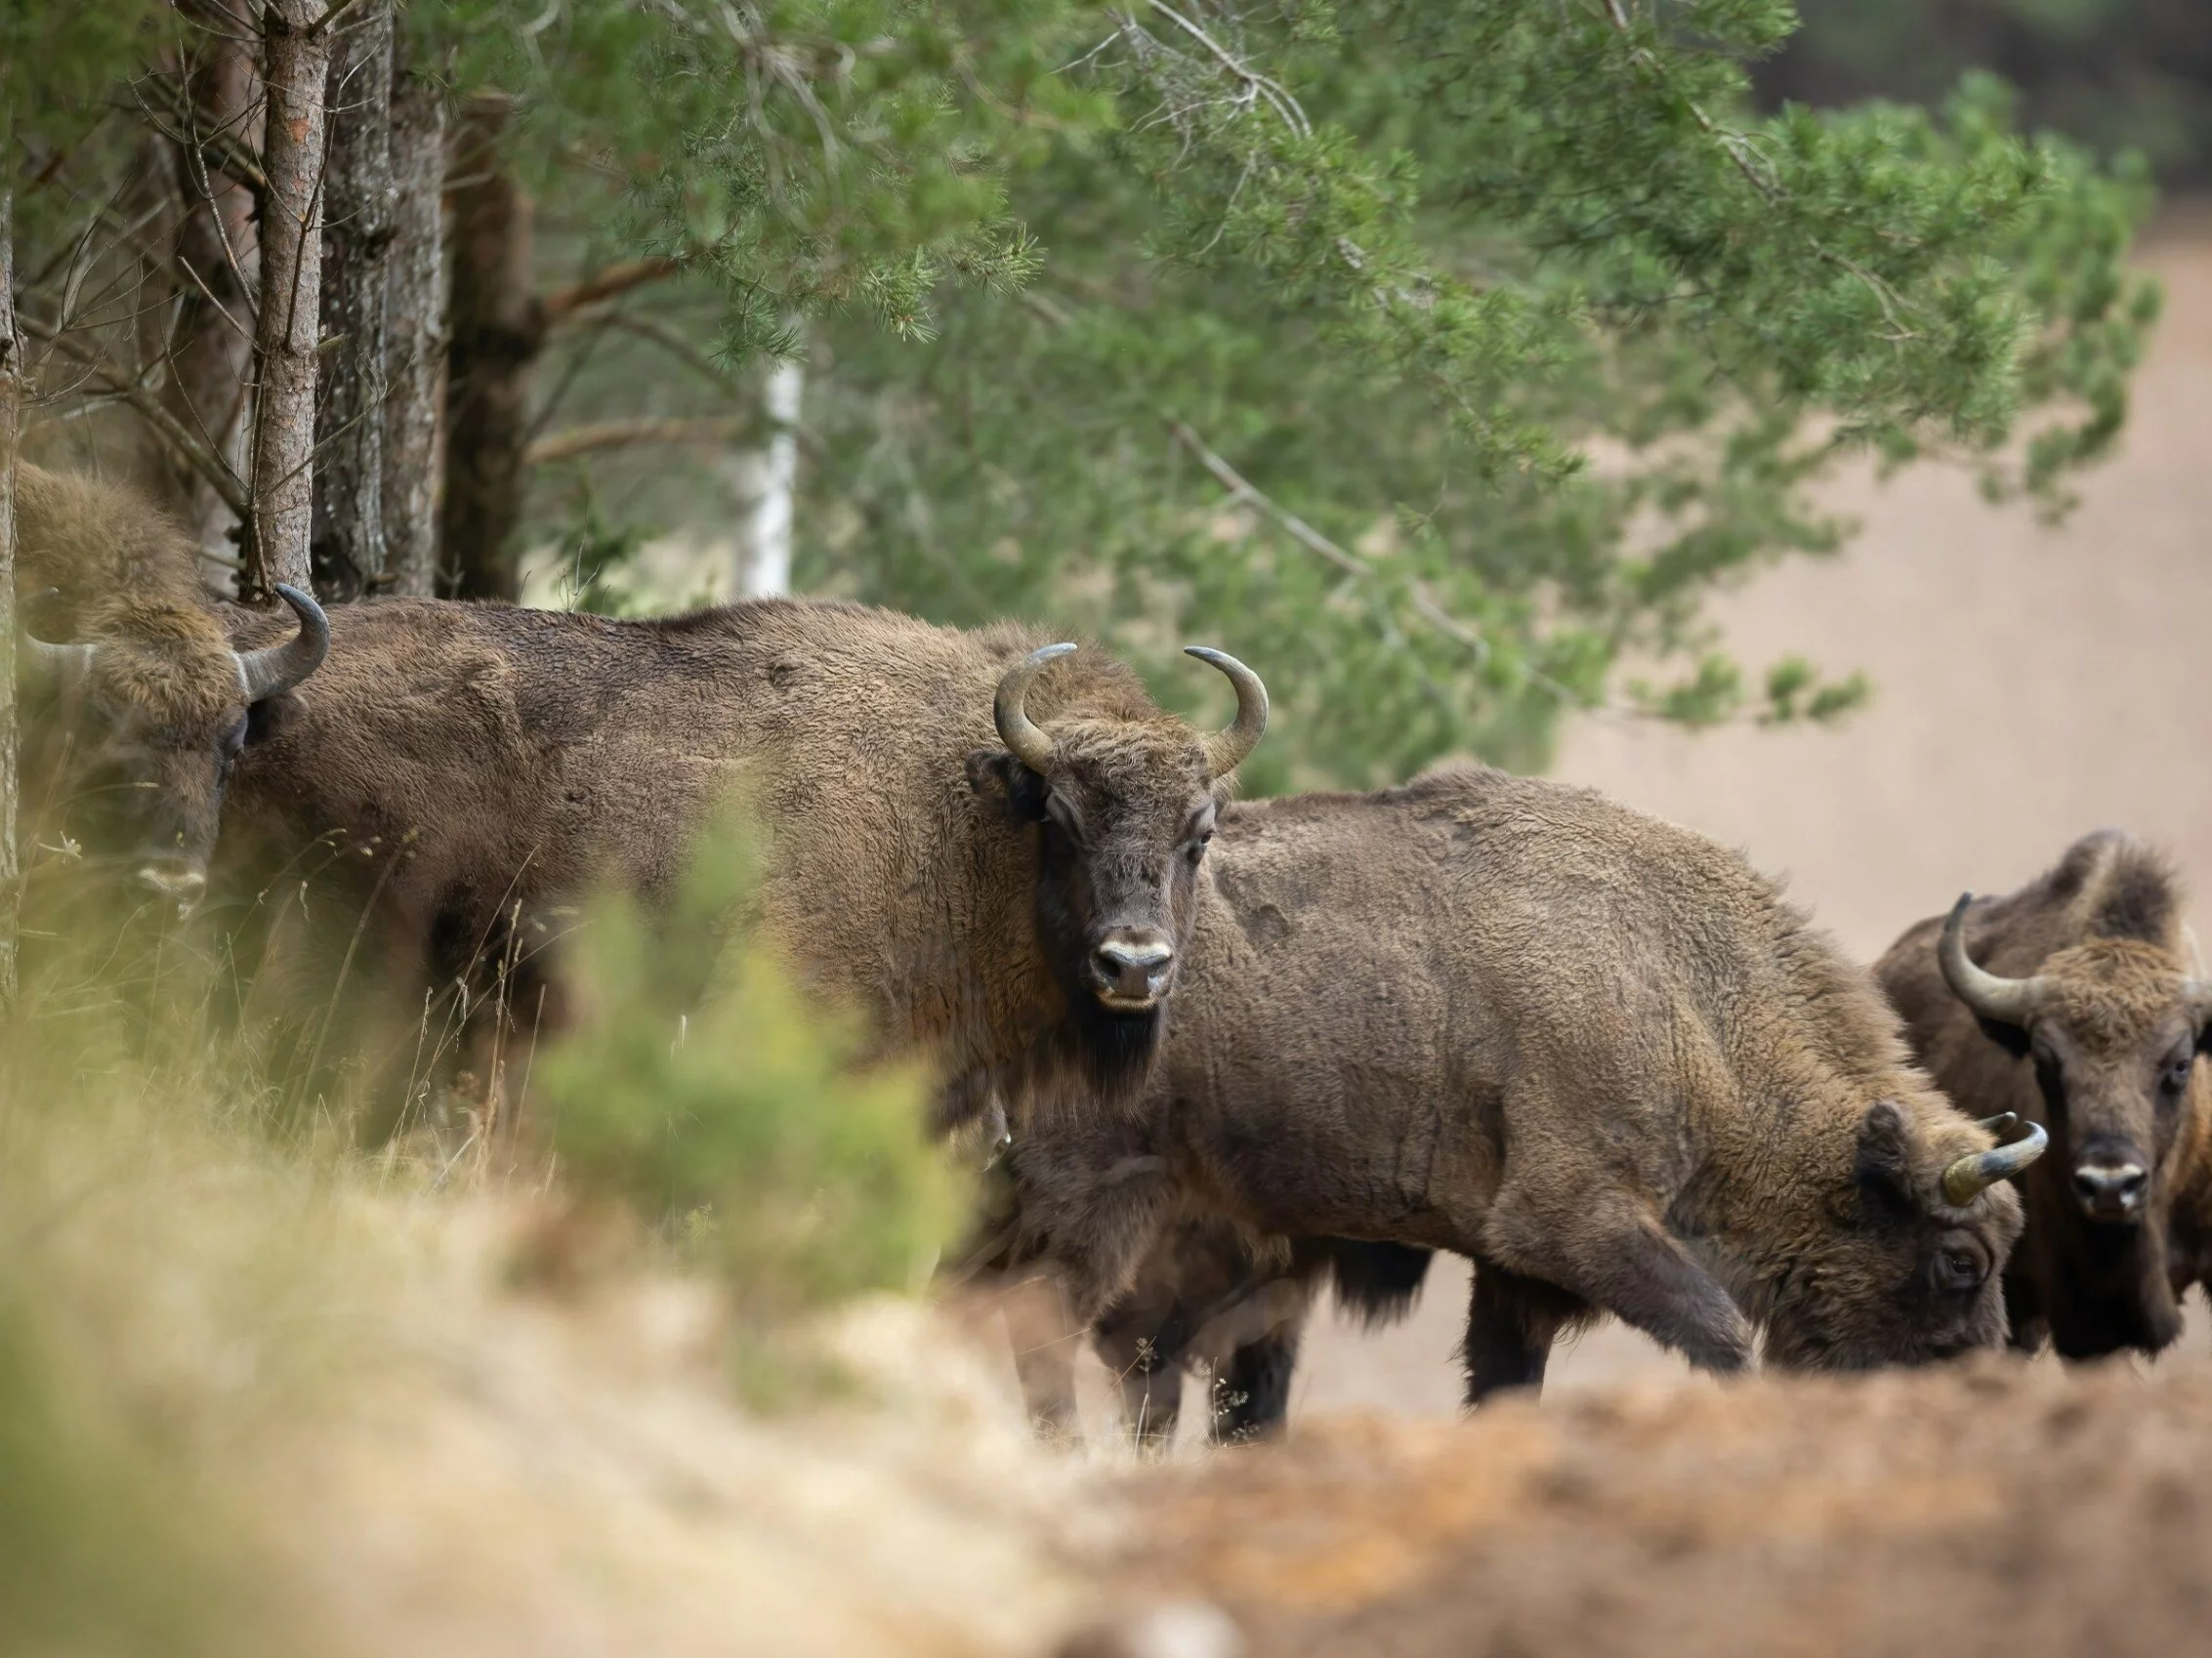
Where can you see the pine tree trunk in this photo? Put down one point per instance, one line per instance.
(415, 336)
(295, 72)
(771, 485)
(10, 401)
(497, 327)
(348, 548)
(218, 262)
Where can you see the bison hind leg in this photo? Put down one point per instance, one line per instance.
(1251, 1392)
(1512, 1322)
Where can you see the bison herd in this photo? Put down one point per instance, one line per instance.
(1226, 1052)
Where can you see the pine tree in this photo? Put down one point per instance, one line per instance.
(1440, 359)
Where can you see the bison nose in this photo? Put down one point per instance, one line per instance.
(176, 881)
(2110, 1192)
(1131, 972)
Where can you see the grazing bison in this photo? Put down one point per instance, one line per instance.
(2070, 1002)
(155, 705)
(1013, 910)
(1596, 1052)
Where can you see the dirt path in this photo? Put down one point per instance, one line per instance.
(1997, 1509)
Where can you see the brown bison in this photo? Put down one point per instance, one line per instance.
(156, 706)
(1594, 1052)
(2070, 1002)
(1014, 909)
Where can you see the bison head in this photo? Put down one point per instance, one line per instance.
(1123, 809)
(154, 716)
(2113, 1026)
(1909, 1262)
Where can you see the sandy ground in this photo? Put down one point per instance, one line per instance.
(2031, 682)
(1991, 1508)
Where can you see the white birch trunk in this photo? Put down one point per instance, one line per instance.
(767, 481)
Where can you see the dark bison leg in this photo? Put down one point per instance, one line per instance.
(1251, 1394)
(1622, 1262)
(2024, 1314)
(1512, 1322)
(1046, 1340)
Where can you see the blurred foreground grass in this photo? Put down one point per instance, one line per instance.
(195, 1276)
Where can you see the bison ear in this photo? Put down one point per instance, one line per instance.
(2012, 1038)
(268, 717)
(1884, 1169)
(994, 772)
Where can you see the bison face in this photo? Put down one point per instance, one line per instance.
(1908, 1267)
(1123, 820)
(151, 725)
(1123, 809)
(2113, 1027)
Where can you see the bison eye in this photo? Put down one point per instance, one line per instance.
(1957, 1270)
(1195, 849)
(2176, 1078)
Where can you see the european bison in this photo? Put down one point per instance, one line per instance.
(156, 706)
(1594, 1052)
(1014, 911)
(2070, 1002)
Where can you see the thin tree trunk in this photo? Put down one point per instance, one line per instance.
(347, 548)
(217, 260)
(497, 327)
(11, 401)
(415, 336)
(770, 481)
(296, 70)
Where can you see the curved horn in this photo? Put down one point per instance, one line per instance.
(1021, 735)
(2197, 988)
(65, 664)
(2008, 1001)
(1228, 748)
(279, 667)
(1977, 1170)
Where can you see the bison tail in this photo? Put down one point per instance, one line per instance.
(1376, 1282)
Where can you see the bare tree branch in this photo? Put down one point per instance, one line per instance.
(564, 303)
(577, 440)
(148, 407)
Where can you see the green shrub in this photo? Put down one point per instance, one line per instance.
(707, 1090)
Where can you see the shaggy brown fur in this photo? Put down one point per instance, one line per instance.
(1594, 1052)
(135, 765)
(2107, 1064)
(482, 764)
(456, 771)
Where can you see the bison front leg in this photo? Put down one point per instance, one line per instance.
(1252, 1391)
(1512, 1322)
(1046, 1340)
(1618, 1258)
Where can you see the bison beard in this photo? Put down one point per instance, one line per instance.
(1593, 1052)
